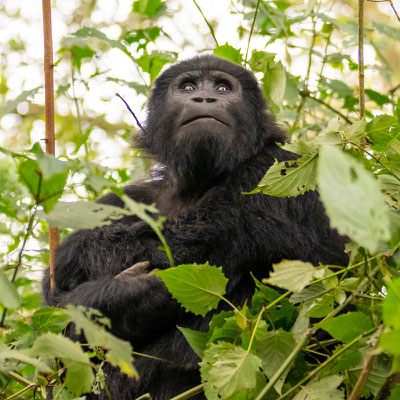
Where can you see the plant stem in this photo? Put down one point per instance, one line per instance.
(368, 364)
(326, 362)
(251, 31)
(208, 24)
(376, 159)
(19, 261)
(189, 393)
(49, 115)
(361, 58)
(285, 365)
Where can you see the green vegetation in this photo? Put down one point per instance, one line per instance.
(269, 348)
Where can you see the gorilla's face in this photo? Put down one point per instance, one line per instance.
(204, 105)
(205, 117)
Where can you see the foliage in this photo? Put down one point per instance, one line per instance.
(309, 339)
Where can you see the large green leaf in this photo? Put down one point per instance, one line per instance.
(79, 377)
(6, 353)
(352, 199)
(274, 83)
(273, 349)
(50, 319)
(197, 287)
(9, 296)
(325, 389)
(293, 275)
(83, 215)
(230, 368)
(348, 326)
(119, 352)
(228, 52)
(292, 178)
(149, 8)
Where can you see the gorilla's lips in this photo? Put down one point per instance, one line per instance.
(198, 117)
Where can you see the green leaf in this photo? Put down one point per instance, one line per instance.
(395, 395)
(45, 191)
(293, 275)
(322, 390)
(119, 352)
(11, 105)
(273, 349)
(352, 199)
(391, 305)
(349, 359)
(228, 52)
(197, 340)
(50, 319)
(321, 306)
(198, 288)
(6, 353)
(377, 376)
(231, 368)
(149, 8)
(83, 215)
(292, 178)
(153, 63)
(384, 132)
(348, 326)
(87, 32)
(9, 296)
(356, 131)
(79, 377)
(274, 84)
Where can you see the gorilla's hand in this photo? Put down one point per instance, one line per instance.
(139, 268)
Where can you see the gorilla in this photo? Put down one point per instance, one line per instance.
(208, 130)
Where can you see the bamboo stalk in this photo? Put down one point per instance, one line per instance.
(49, 114)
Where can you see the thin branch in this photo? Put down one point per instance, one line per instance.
(368, 364)
(49, 115)
(19, 262)
(315, 371)
(208, 24)
(394, 10)
(134, 115)
(306, 93)
(189, 393)
(361, 57)
(251, 30)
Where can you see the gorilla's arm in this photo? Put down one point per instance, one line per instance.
(93, 269)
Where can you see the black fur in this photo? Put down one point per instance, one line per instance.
(208, 219)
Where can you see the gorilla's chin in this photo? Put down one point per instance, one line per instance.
(200, 158)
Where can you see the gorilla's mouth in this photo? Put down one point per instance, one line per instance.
(198, 117)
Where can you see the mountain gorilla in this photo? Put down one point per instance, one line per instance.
(208, 128)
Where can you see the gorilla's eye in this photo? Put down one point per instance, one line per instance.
(222, 87)
(188, 86)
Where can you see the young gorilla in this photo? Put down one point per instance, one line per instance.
(208, 127)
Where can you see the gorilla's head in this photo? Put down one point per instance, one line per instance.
(206, 116)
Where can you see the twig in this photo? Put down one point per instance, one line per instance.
(361, 58)
(315, 371)
(368, 364)
(19, 262)
(134, 115)
(306, 93)
(189, 393)
(251, 30)
(208, 24)
(49, 115)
